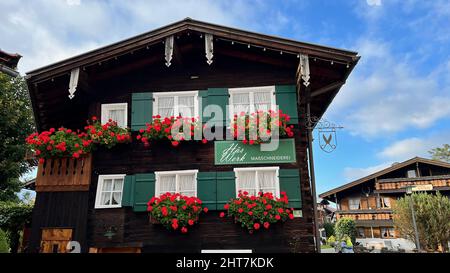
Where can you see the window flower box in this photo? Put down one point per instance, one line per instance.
(256, 212)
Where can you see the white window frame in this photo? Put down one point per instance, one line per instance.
(277, 175)
(98, 196)
(114, 106)
(251, 91)
(176, 173)
(176, 94)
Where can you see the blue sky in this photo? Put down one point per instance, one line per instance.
(395, 105)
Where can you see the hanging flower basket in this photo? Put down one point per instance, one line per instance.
(174, 129)
(259, 127)
(256, 212)
(175, 211)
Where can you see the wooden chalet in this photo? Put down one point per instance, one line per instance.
(8, 63)
(369, 200)
(188, 58)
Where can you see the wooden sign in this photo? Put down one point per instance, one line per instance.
(235, 152)
(427, 187)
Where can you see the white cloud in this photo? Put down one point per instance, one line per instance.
(387, 94)
(351, 173)
(415, 146)
(373, 2)
(46, 31)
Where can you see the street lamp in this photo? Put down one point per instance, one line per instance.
(409, 191)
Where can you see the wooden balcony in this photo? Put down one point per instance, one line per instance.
(64, 174)
(399, 184)
(366, 215)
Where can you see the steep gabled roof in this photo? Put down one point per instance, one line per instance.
(385, 171)
(142, 40)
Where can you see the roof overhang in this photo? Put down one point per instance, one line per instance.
(328, 194)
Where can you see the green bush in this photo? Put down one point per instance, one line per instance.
(329, 229)
(345, 227)
(4, 246)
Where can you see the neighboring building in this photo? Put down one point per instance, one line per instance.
(130, 79)
(8, 63)
(326, 213)
(369, 200)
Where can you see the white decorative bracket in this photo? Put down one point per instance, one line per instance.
(304, 69)
(209, 48)
(74, 74)
(169, 50)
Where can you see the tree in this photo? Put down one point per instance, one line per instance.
(13, 217)
(16, 122)
(345, 227)
(329, 229)
(432, 214)
(441, 153)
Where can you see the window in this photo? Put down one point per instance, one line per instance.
(361, 233)
(354, 203)
(169, 104)
(117, 112)
(251, 99)
(182, 182)
(387, 232)
(411, 174)
(255, 180)
(109, 191)
(383, 202)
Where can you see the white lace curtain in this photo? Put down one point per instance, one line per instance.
(251, 101)
(117, 115)
(186, 106)
(354, 203)
(166, 106)
(112, 192)
(257, 181)
(262, 101)
(184, 184)
(167, 183)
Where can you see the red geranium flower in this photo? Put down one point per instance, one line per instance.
(256, 226)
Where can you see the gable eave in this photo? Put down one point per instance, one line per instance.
(154, 36)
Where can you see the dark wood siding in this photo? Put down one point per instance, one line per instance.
(60, 210)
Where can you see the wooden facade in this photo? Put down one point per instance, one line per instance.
(369, 200)
(136, 66)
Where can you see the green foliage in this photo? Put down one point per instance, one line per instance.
(329, 229)
(13, 217)
(441, 153)
(4, 246)
(432, 217)
(331, 240)
(16, 122)
(345, 227)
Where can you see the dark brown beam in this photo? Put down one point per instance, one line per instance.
(327, 88)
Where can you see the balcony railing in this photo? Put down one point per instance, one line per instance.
(384, 214)
(401, 183)
(64, 174)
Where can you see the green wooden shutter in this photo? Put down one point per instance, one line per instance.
(144, 190)
(141, 110)
(226, 188)
(207, 189)
(219, 96)
(286, 98)
(290, 183)
(128, 191)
